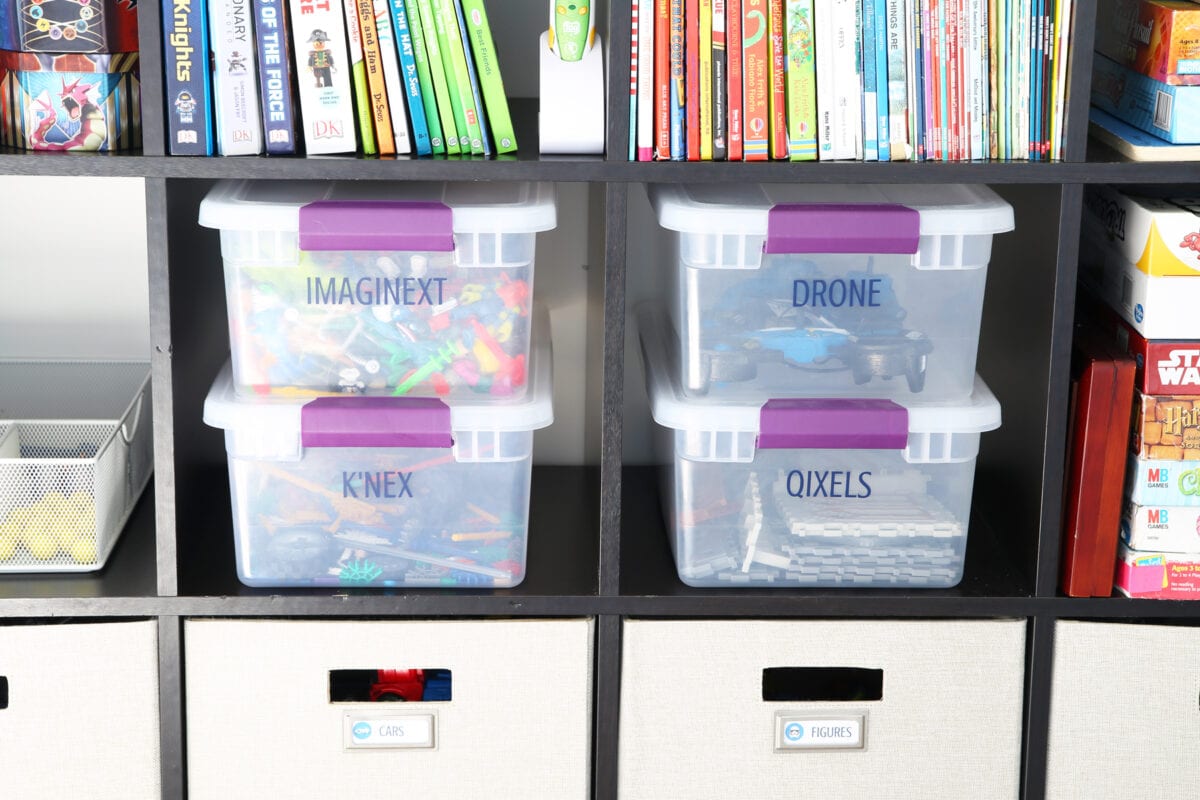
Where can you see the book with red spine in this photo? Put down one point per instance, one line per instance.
(691, 57)
(756, 80)
(662, 79)
(634, 43)
(1101, 404)
(733, 33)
(720, 83)
(778, 140)
(953, 80)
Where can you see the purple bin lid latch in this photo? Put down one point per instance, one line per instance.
(378, 225)
(842, 228)
(818, 423)
(375, 422)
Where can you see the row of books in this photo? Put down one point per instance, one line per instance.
(876, 80)
(378, 77)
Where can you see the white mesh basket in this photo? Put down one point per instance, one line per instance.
(75, 455)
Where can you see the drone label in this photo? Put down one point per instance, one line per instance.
(828, 483)
(837, 293)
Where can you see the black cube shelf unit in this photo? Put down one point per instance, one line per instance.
(597, 543)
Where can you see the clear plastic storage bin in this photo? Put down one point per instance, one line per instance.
(828, 290)
(381, 491)
(75, 454)
(379, 288)
(813, 491)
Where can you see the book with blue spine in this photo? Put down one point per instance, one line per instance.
(879, 50)
(420, 54)
(411, 79)
(187, 87)
(275, 77)
(678, 84)
(870, 97)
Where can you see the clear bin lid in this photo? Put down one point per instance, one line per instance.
(745, 208)
(479, 207)
(408, 421)
(671, 408)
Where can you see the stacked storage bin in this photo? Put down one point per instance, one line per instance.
(69, 75)
(1139, 254)
(388, 371)
(813, 377)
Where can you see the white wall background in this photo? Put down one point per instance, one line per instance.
(73, 268)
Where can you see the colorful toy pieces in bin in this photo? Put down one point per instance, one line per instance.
(386, 289)
(69, 75)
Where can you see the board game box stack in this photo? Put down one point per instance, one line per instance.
(69, 75)
(871, 80)
(321, 77)
(1146, 78)
(1137, 251)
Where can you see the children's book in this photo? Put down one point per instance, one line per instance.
(326, 104)
(662, 79)
(634, 45)
(870, 92)
(756, 81)
(705, 77)
(733, 23)
(679, 133)
(390, 58)
(491, 85)
(459, 76)
(879, 50)
(422, 139)
(420, 55)
(439, 79)
(187, 88)
(644, 140)
(235, 77)
(473, 77)
(275, 80)
(826, 91)
(381, 116)
(691, 72)
(777, 143)
(363, 107)
(801, 81)
(720, 83)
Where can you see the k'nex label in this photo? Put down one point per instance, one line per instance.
(367, 485)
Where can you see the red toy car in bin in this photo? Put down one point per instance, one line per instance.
(398, 685)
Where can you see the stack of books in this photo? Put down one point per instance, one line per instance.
(1146, 78)
(876, 80)
(377, 77)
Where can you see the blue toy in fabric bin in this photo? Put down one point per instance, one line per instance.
(858, 327)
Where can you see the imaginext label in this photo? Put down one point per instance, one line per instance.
(375, 291)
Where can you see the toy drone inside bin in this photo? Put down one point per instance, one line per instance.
(853, 322)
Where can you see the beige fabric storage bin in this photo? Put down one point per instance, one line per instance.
(261, 724)
(1123, 713)
(81, 719)
(947, 723)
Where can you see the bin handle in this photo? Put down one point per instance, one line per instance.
(136, 411)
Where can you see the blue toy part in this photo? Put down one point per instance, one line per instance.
(437, 685)
(803, 346)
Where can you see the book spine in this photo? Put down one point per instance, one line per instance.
(983, 79)
(645, 91)
(1004, 78)
(381, 116)
(392, 77)
(326, 102)
(466, 118)
(188, 91)
(720, 84)
(846, 127)
(870, 92)
(777, 100)
(914, 65)
(993, 65)
(472, 78)
(929, 73)
(691, 72)
(826, 99)
(801, 82)
(491, 85)
(438, 77)
(422, 136)
(635, 43)
(437, 139)
(358, 79)
(1048, 67)
(953, 84)
(235, 78)
(966, 88)
(704, 79)
(895, 48)
(733, 24)
(1063, 37)
(679, 143)
(275, 77)
(1037, 32)
(662, 79)
(878, 49)
(756, 70)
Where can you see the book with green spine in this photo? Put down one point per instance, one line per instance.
(490, 82)
(416, 38)
(446, 35)
(437, 72)
(462, 74)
